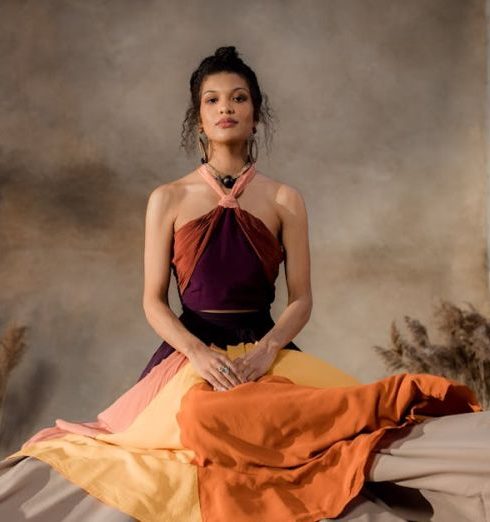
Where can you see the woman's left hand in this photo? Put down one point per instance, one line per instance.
(256, 362)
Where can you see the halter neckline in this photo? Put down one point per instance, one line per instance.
(230, 199)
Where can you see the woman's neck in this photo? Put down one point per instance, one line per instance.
(228, 161)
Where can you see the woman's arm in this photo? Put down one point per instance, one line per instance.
(159, 232)
(159, 223)
(294, 227)
(294, 232)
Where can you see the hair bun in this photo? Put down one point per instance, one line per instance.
(226, 52)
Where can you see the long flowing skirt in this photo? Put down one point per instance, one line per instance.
(305, 442)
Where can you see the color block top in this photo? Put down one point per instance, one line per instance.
(227, 258)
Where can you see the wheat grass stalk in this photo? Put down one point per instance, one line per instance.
(464, 355)
(12, 348)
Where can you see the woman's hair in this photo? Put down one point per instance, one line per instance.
(225, 59)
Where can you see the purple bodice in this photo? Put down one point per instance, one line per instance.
(228, 274)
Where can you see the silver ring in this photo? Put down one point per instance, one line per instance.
(224, 369)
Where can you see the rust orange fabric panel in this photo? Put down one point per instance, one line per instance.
(303, 456)
(190, 241)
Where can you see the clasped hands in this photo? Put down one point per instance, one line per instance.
(255, 363)
(246, 368)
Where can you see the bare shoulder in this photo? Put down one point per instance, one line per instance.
(161, 201)
(167, 196)
(288, 199)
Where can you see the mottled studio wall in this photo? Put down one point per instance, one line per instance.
(381, 118)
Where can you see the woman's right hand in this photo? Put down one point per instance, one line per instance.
(207, 361)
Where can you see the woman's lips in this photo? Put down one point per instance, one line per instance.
(225, 124)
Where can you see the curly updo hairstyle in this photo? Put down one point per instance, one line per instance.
(225, 59)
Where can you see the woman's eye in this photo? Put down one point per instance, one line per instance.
(236, 98)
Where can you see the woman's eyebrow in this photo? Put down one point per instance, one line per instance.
(236, 88)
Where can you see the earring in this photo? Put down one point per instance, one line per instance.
(203, 147)
(251, 143)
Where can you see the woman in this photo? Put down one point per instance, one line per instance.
(291, 437)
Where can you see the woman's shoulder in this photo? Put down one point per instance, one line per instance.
(284, 195)
(171, 192)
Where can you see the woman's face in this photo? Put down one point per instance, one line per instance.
(226, 95)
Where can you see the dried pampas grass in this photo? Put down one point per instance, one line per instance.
(464, 356)
(12, 348)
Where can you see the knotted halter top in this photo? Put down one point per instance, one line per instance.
(227, 258)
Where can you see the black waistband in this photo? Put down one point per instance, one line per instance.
(222, 328)
(227, 319)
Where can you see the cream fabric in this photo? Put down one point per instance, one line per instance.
(438, 470)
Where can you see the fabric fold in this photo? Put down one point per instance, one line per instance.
(293, 445)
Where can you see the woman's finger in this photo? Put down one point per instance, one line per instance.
(227, 380)
(241, 366)
(214, 382)
(224, 379)
(232, 375)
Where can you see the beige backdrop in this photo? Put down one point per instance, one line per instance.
(381, 119)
